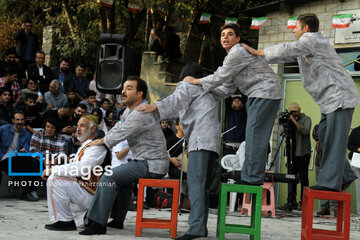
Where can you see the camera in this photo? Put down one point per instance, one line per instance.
(284, 118)
(288, 125)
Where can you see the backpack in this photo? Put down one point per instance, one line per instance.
(163, 199)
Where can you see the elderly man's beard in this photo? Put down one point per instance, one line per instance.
(85, 136)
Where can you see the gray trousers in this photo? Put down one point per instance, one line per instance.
(114, 192)
(261, 114)
(333, 134)
(357, 171)
(200, 164)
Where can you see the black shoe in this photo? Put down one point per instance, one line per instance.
(323, 211)
(94, 228)
(116, 224)
(61, 226)
(187, 237)
(236, 175)
(241, 182)
(145, 205)
(299, 207)
(320, 188)
(287, 207)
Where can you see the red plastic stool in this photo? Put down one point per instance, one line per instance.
(343, 215)
(265, 208)
(153, 222)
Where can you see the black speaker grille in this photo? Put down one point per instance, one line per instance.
(111, 75)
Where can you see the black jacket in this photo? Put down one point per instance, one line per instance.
(33, 73)
(20, 37)
(68, 80)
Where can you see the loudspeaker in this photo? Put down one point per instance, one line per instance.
(113, 63)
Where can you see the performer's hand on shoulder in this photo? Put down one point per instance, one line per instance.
(147, 108)
(253, 51)
(192, 80)
(97, 142)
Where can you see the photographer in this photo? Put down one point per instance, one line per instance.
(301, 150)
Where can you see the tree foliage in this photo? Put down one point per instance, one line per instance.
(78, 23)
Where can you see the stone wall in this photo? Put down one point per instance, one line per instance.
(47, 43)
(275, 30)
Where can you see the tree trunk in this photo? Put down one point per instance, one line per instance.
(103, 20)
(111, 18)
(70, 20)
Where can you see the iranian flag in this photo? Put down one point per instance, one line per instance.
(106, 3)
(205, 18)
(292, 22)
(133, 7)
(256, 23)
(161, 11)
(341, 21)
(230, 20)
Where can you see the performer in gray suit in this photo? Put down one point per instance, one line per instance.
(254, 77)
(149, 160)
(199, 118)
(332, 88)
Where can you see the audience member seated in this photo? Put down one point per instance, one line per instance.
(13, 137)
(6, 110)
(10, 56)
(90, 101)
(176, 151)
(38, 71)
(69, 185)
(63, 117)
(79, 82)
(98, 114)
(32, 116)
(62, 73)
(72, 144)
(105, 105)
(79, 112)
(48, 141)
(54, 97)
(32, 86)
(9, 81)
(166, 130)
(109, 121)
(73, 100)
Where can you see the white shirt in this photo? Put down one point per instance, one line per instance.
(118, 148)
(93, 156)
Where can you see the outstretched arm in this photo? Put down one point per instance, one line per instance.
(147, 108)
(253, 51)
(192, 80)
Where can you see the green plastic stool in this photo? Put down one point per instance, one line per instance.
(254, 229)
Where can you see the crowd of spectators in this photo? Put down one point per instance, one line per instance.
(41, 106)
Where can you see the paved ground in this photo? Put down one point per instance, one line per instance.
(21, 220)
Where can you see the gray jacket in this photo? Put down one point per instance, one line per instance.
(322, 72)
(198, 116)
(252, 75)
(145, 137)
